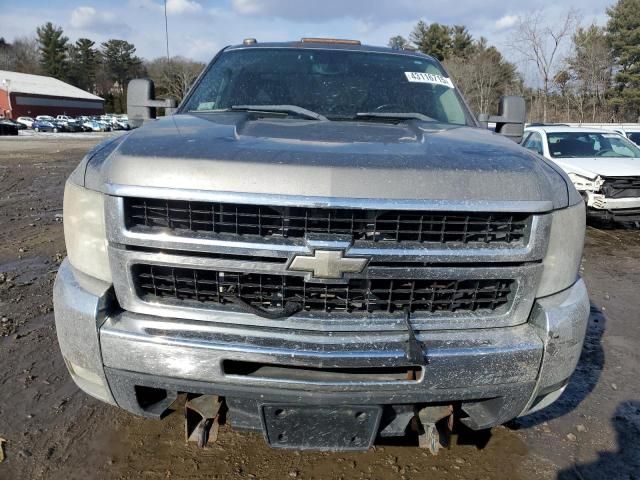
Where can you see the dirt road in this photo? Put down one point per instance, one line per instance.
(53, 431)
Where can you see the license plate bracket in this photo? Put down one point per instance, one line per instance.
(321, 427)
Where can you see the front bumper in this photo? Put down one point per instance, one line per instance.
(613, 209)
(494, 374)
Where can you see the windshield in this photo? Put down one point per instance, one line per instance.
(587, 144)
(634, 137)
(335, 84)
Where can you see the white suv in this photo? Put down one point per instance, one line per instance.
(603, 165)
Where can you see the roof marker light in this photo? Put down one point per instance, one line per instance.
(340, 41)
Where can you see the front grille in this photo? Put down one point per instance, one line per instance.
(298, 222)
(214, 288)
(621, 187)
(622, 182)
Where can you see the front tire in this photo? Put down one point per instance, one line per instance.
(36, 129)
(55, 130)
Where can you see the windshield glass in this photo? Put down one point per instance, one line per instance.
(634, 137)
(587, 144)
(335, 84)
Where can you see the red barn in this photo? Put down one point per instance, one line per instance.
(25, 95)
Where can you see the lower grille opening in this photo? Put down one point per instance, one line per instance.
(148, 396)
(322, 375)
(270, 291)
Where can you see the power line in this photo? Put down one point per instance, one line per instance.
(166, 29)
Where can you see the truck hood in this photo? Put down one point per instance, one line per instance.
(412, 160)
(601, 166)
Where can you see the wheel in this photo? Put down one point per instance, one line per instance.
(55, 130)
(36, 129)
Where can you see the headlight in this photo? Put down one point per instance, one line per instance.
(566, 241)
(585, 183)
(84, 231)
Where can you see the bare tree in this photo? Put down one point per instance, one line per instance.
(483, 75)
(540, 43)
(20, 56)
(173, 77)
(562, 81)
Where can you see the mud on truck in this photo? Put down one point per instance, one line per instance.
(322, 244)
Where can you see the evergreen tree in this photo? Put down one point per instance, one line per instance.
(461, 41)
(623, 30)
(434, 39)
(441, 41)
(83, 60)
(121, 64)
(591, 64)
(53, 50)
(398, 42)
(6, 55)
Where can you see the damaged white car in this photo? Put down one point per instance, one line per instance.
(604, 167)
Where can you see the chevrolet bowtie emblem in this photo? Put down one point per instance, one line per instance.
(328, 264)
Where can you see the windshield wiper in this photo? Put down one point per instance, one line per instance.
(300, 111)
(396, 115)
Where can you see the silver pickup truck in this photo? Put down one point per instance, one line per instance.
(323, 244)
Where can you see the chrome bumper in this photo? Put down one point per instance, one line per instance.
(125, 350)
(599, 201)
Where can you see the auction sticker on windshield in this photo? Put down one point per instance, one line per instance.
(431, 78)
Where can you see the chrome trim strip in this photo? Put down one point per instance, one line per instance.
(118, 190)
(533, 250)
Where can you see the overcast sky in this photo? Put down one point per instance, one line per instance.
(199, 28)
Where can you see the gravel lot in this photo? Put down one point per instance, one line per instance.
(54, 431)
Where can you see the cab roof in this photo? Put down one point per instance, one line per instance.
(318, 44)
(562, 129)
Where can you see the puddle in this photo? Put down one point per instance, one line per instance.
(27, 270)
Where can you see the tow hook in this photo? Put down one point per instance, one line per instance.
(202, 419)
(434, 427)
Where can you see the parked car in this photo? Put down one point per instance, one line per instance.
(45, 118)
(119, 124)
(629, 130)
(47, 126)
(106, 124)
(9, 127)
(26, 121)
(81, 120)
(603, 165)
(8, 121)
(323, 239)
(91, 126)
(70, 124)
(96, 126)
(107, 127)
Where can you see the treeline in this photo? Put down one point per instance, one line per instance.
(479, 69)
(596, 80)
(589, 74)
(103, 69)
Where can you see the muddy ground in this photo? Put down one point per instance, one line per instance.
(54, 431)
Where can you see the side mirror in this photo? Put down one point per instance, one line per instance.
(512, 114)
(141, 102)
